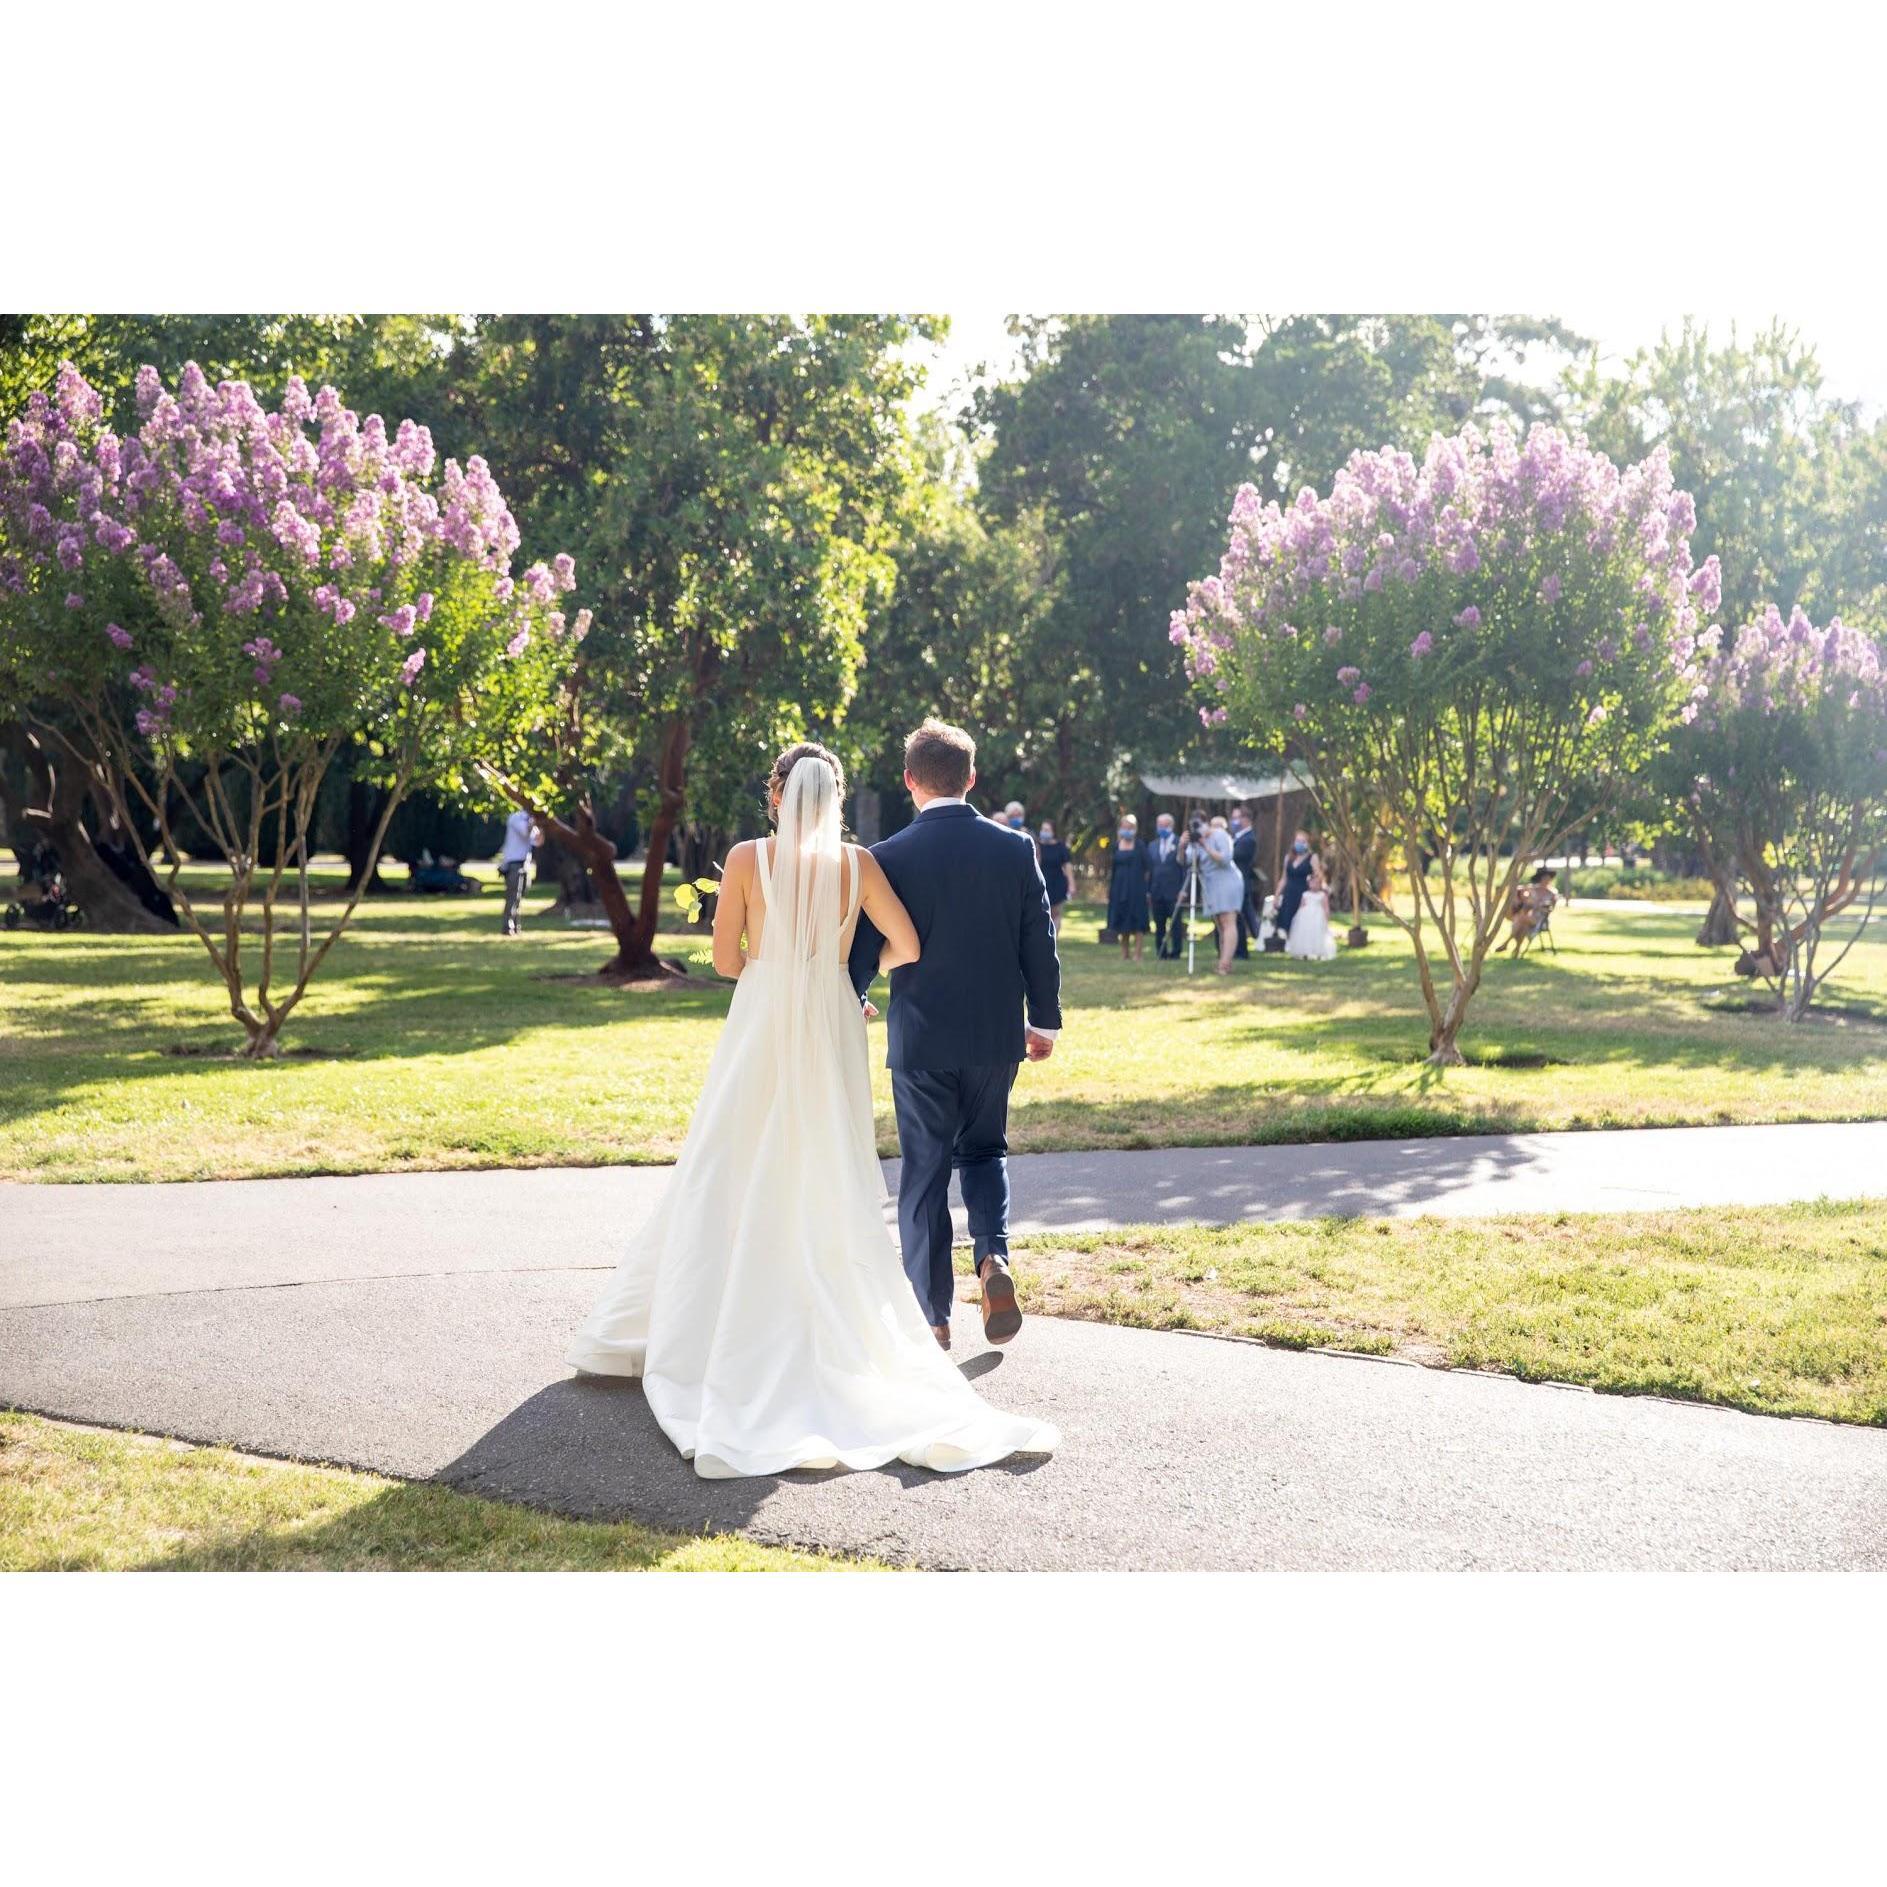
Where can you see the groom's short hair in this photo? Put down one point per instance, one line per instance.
(940, 758)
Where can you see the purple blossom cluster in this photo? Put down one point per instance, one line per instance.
(1773, 667)
(231, 517)
(1488, 523)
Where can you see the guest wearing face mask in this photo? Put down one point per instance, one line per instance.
(1245, 858)
(1127, 889)
(1297, 876)
(1166, 865)
(1055, 859)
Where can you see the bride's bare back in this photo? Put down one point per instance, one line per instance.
(741, 910)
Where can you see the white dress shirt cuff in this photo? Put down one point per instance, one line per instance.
(1047, 1035)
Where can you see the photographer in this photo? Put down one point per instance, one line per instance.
(1221, 887)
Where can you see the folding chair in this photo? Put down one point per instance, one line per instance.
(1542, 931)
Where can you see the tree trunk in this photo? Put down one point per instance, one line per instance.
(1442, 1049)
(1719, 925)
(365, 804)
(58, 819)
(634, 929)
(671, 783)
(574, 889)
(1444, 1029)
(635, 959)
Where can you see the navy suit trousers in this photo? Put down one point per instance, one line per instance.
(951, 1117)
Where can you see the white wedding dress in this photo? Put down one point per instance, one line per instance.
(1309, 935)
(764, 1305)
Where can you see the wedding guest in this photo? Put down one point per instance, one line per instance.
(1531, 907)
(1054, 858)
(1166, 880)
(1245, 857)
(1299, 869)
(1127, 889)
(522, 837)
(1222, 889)
(1015, 816)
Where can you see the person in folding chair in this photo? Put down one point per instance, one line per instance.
(1531, 912)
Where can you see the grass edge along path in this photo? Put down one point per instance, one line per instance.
(1776, 1310)
(76, 1498)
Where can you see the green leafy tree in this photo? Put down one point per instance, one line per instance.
(1790, 489)
(1126, 436)
(1739, 422)
(729, 482)
(968, 636)
(1330, 385)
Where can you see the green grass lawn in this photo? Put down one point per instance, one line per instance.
(1779, 1310)
(430, 1042)
(91, 1500)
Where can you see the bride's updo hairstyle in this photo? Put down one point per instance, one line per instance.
(783, 767)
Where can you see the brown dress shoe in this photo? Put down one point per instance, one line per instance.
(1001, 1317)
(942, 1333)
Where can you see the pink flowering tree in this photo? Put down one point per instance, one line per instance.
(1784, 773)
(208, 612)
(1460, 649)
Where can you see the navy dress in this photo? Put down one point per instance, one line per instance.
(1296, 883)
(1127, 891)
(1055, 856)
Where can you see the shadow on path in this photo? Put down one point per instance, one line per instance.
(591, 1447)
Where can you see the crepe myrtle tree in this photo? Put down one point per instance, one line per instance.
(211, 609)
(1782, 765)
(1458, 646)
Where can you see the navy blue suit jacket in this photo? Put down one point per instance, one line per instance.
(1168, 868)
(976, 897)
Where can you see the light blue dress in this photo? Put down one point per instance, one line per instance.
(1221, 883)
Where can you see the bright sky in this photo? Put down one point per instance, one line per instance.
(1852, 346)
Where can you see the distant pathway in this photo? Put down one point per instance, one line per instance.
(62, 1244)
(415, 1324)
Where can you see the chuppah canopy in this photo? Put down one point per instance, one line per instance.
(1227, 786)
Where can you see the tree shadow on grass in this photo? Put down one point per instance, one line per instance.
(431, 1003)
(412, 1528)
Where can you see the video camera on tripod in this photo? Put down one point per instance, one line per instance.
(1191, 889)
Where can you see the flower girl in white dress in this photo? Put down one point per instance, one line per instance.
(1310, 934)
(764, 1306)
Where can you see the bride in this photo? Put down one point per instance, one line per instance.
(764, 1306)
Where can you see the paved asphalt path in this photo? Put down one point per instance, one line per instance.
(63, 1244)
(415, 1324)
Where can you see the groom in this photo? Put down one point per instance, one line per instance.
(957, 1033)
